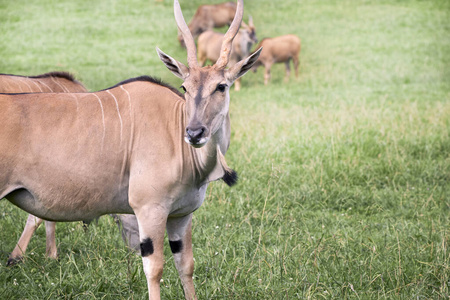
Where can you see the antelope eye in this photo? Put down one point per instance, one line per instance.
(183, 88)
(221, 87)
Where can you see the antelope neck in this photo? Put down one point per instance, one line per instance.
(205, 165)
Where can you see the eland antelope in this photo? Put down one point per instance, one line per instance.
(138, 147)
(208, 17)
(276, 50)
(55, 82)
(209, 43)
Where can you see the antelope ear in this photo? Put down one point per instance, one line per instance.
(176, 67)
(243, 66)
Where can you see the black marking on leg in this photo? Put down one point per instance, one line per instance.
(176, 246)
(147, 247)
(230, 177)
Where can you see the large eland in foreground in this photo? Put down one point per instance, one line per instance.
(76, 156)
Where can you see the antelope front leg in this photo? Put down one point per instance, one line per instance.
(152, 223)
(296, 63)
(30, 227)
(237, 84)
(288, 70)
(267, 73)
(180, 240)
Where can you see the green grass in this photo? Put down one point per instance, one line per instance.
(344, 188)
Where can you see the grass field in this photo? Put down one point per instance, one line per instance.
(344, 188)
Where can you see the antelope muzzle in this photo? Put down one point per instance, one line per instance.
(196, 135)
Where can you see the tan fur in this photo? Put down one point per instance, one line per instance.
(57, 82)
(50, 82)
(45, 83)
(138, 147)
(210, 42)
(208, 17)
(280, 49)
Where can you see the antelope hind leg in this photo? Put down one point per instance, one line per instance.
(288, 70)
(30, 227)
(296, 64)
(267, 73)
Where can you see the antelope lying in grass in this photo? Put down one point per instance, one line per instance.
(209, 43)
(277, 50)
(208, 17)
(138, 147)
(60, 82)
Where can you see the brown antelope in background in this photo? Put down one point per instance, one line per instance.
(208, 17)
(277, 50)
(138, 147)
(55, 82)
(209, 43)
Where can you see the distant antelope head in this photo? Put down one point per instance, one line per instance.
(250, 31)
(207, 88)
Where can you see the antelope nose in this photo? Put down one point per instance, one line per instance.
(194, 134)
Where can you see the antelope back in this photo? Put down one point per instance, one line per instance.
(209, 43)
(222, 14)
(54, 82)
(281, 46)
(208, 17)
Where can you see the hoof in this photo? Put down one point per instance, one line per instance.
(13, 261)
(54, 256)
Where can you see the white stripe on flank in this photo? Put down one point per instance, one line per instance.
(129, 99)
(75, 98)
(37, 85)
(26, 83)
(6, 84)
(103, 118)
(20, 86)
(118, 113)
(51, 91)
(62, 86)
